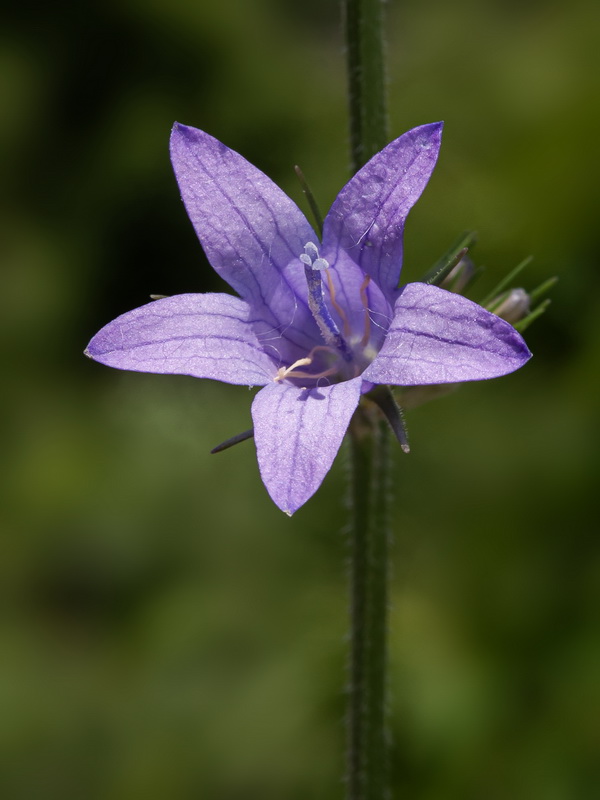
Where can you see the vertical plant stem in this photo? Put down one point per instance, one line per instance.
(367, 776)
(368, 739)
(363, 28)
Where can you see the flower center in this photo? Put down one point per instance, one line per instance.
(345, 353)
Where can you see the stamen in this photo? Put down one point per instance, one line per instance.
(283, 372)
(332, 351)
(335, 304)
(292, 372)
(365, 302)
(315, 375)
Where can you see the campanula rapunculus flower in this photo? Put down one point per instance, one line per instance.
(316, 324)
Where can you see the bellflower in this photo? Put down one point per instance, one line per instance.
(316, 324)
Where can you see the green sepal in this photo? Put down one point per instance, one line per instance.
(505, 283)
(241, 437)
(318, 217)
(542, 289)
(450, 259)
(382, 396)
(532, 316)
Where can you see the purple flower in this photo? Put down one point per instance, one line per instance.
(317, 323)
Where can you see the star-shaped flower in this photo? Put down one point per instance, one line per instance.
(316, 324)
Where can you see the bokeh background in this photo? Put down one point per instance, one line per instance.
(166, 631)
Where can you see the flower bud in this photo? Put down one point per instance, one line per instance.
(512, 306)
(459, 276)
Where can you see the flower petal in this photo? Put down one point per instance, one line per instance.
(251, 231)
(298, 433)
(441, 337)
(367, 217)
(203, 335)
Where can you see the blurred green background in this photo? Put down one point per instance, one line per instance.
(166, 631)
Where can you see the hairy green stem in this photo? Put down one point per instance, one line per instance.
(367, 768)
(368, 744)
(363, 28)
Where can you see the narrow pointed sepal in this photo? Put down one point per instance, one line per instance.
(383, 397)
(237, 439)
(442, 268)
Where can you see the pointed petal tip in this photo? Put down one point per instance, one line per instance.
(434, 126)
(522, 353)
(178, 130)
(181, 133)
(92, 351)
(431, 131)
